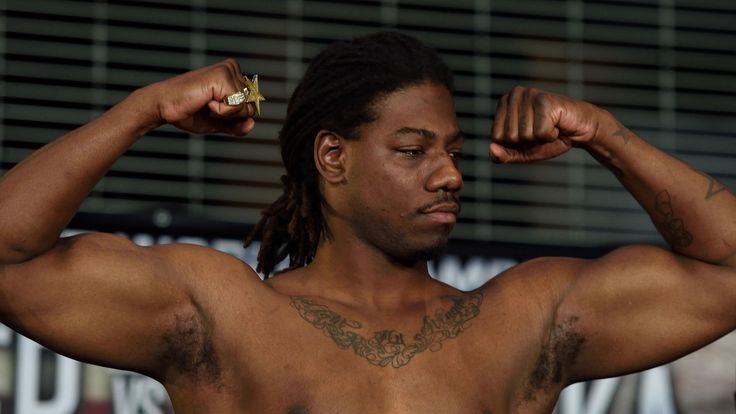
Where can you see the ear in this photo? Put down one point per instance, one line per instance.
(329, 156)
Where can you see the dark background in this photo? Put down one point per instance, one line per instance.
(665, 68)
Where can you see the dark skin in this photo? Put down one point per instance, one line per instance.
(363, 328)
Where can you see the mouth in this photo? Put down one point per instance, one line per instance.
(443, 213)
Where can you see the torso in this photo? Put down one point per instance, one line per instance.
(274, 353)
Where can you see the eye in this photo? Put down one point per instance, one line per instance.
(458, 155)
(411, 152)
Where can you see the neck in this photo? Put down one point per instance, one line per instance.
(355, 273)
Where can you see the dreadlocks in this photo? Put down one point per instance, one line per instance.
(337, 93)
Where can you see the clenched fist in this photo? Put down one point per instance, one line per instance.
(533, 125)
(193, 101)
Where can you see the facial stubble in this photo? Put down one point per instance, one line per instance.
(404, 243)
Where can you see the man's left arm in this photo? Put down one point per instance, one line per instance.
(639, 306)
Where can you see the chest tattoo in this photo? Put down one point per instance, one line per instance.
(388, 347)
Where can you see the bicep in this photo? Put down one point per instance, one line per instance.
(643, 306)
(97, 298)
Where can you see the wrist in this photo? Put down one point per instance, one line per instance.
(607, 129)
(609, 145)
(142, 110)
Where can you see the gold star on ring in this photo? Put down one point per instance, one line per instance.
(254, 95)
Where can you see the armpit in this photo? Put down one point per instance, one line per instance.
(559, 352)
(187, 348)
(298, 409)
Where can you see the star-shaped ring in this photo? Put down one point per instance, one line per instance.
(254, 94)
(249, 94)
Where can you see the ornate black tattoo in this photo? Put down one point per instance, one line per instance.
(559, 352)
(387, 347)
(673, 227)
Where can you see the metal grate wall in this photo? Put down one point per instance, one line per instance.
(666, 68)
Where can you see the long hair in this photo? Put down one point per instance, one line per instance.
(338, 93)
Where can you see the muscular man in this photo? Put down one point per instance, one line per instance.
(355, 324)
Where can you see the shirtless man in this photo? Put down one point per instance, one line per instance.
(356, 325)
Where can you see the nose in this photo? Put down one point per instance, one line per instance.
(445, 175)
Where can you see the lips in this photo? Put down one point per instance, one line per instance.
(443, 213)
(453, 208)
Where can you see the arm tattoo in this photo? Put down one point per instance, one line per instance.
(622, 132)
(625, 135)
(714, 187)
(673, 227)
(387, 347)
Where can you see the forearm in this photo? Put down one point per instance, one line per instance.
(694, 213)
(40, 195)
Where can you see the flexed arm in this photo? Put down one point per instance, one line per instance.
(40, 195)
(98, 297)
(694, 213)
(639, 306)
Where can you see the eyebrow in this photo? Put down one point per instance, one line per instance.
(427, 134)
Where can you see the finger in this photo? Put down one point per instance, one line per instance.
(235, 74)
(247, 109)
(499, 119)
(237, 127)
(501, 154)
(241, 127)
(547, 150)
(511, 127)
(526, 117)
(220, 109)
(233, 84)
(545, 118)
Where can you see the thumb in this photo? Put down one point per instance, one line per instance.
(501, 154)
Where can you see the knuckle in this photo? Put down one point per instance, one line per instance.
(502, 102)
(231, 66)
(542, 100)
(223, 70)
(517, 90)
(527, 134)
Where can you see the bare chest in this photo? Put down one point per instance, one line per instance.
(318, 377)
(313, 377)
(306, 358)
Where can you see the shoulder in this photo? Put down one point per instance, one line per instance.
(541, 279)
(196, 259)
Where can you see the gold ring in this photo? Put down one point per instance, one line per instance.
(252, 93)
(236, 99)
(249, 94)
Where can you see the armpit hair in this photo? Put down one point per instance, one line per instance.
(559, 352)
(188, 349)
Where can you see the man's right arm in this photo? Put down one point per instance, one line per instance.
(98, 297)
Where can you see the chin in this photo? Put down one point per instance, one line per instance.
(413, 254)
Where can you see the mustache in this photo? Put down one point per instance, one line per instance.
(444, 197)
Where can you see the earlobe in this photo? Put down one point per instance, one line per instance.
(329, 156)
